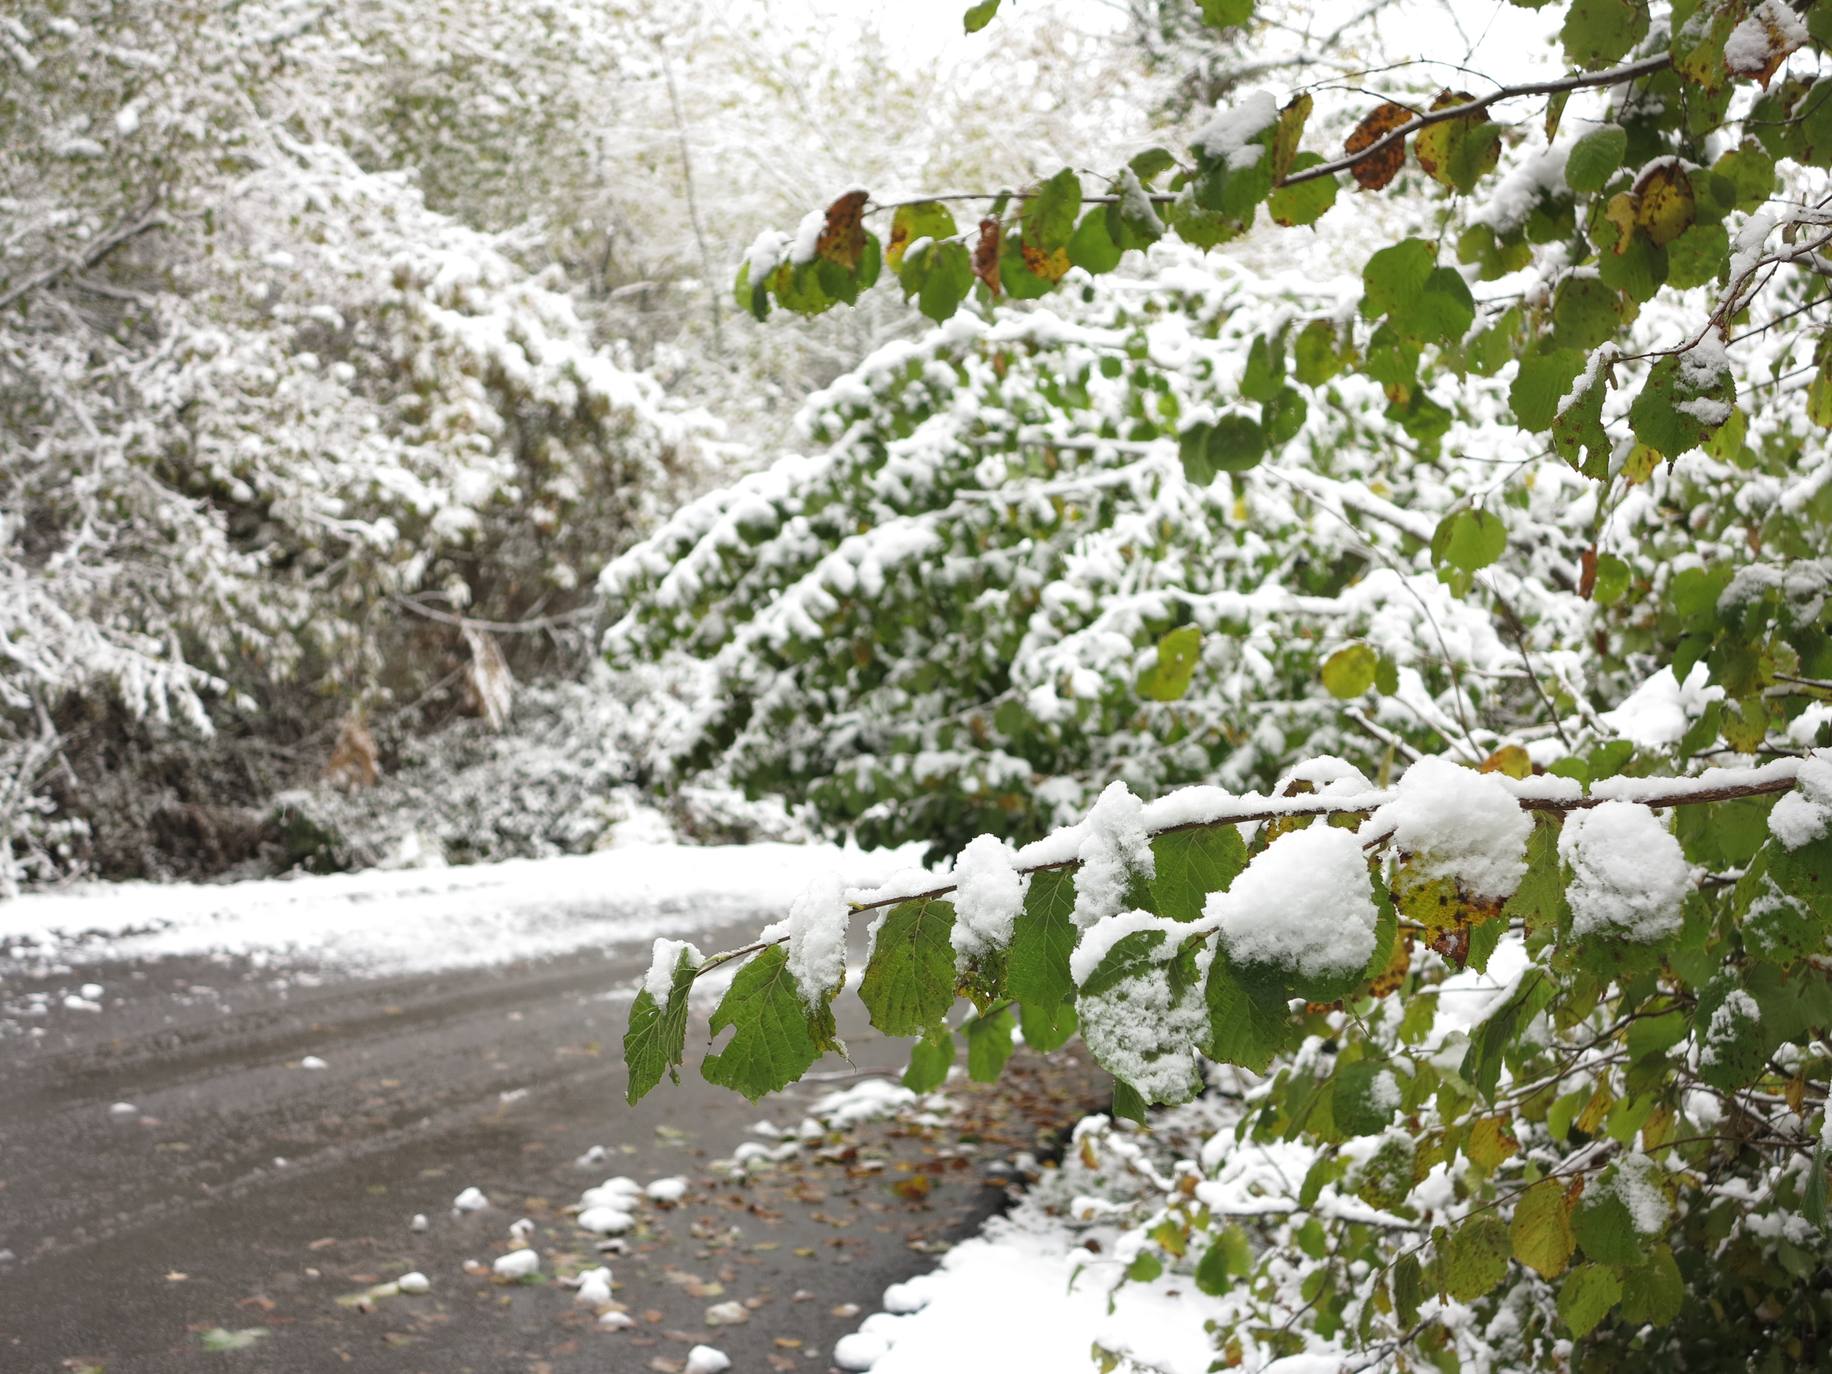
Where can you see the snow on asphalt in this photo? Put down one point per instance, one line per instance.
(426, 920)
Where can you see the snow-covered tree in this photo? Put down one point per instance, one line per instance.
(1466, 558)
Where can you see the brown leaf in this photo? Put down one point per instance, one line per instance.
(1587, 572)
(986, 255)
(1777, 45)
(1375, 170)
(843, 238)
(354, 759)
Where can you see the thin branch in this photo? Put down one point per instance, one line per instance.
(102, 247)
(1615, 76)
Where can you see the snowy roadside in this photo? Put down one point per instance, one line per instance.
(1043, 1286)
(425, 920)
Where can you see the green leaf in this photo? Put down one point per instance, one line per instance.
(1308, 201)
(989, 1045)
(1698, 256)
(1541, 1231)
(1605, 1227)
(1179, 651)
(1092, 248)
(1249, 1016)
(1226, 14)
(1653, 1293)
(1476, 1258)
(1350, 671)
(930, 1059)
(1469, 540)
(656, 1041)
(1598, 33)
(1408, 1288)
(1421, 300)
(1264, 373)
(979, 16)
(947, 281)
(219, 1340)
(1595, 157)
(775, 1038)
(1190, 864)
(1233, 443)
(1037, 969)
(1585, 1298)
(1482, 1062)
(1541, 383)
(1049, 215)
(1365, 1097)
(1046, 1031)
(908, 986)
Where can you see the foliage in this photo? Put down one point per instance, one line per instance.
(1454, 581)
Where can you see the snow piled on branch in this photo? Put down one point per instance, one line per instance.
(1459, 824)
(1305, 904)
(987, 898)
(1629, 876)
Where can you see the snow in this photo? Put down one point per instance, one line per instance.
(594, 1288)
(1304, 904)
(1100, 938)
(413, 1283)
(988, 894)
(470, 1200)
(1629, 875)
(667, 1190)
(1459, 824)
(1228, 136)
(517, 1264)
(420, 920)
(606, 1220)
(1660, 711)
(1736, 1011)
(658, 982)
(704, 1359)
(1634, 1182)
(859, 1351)
(1770, 30)
(1114, 847)
(123, 1109)
(1803, 815)
(312, 1061)
(816, 927)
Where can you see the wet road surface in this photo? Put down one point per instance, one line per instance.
(249, 1201)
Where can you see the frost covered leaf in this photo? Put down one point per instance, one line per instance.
(1475, 1258)
(1190, 865)
(776, 1038)
(1629, 876)
(1168, 678)
(1142, 1018)
(1303, 909)
(1586, 1296)
(655, 1042)
(1683, 399)
(1373, 172)
(1620, 1212)
(1541, 1231)
(989, 1045)
(909, 983)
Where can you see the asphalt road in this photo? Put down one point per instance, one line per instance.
(246, 1194)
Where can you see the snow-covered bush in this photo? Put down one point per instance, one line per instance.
(1481, 602)
(271, 425)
